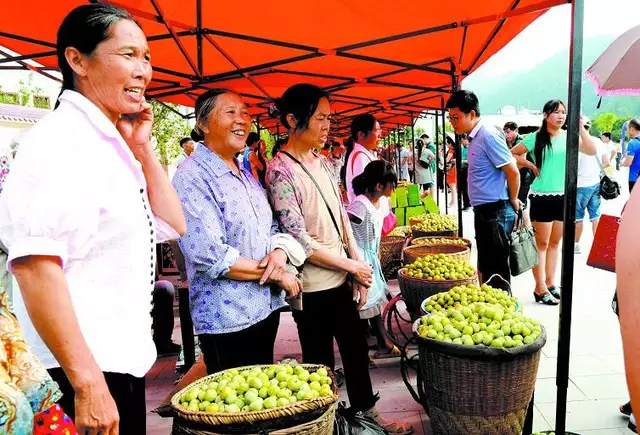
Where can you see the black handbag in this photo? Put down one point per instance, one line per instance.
(523, 251)
(609, 189)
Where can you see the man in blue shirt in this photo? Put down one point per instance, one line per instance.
(632, 159)
(493, 184)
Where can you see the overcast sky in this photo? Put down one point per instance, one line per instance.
(551, 32)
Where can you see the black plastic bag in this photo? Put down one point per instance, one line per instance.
(349, 422)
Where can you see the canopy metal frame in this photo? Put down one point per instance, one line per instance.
(187, 83)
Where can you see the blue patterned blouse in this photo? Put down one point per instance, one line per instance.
(228, 217)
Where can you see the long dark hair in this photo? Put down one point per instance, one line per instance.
(376, 172)
(543, 137)
(348, 144)
(420, 146)
(84, 28)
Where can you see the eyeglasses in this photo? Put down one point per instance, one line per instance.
(453, 118)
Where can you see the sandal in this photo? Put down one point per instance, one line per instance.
(545, 298)
(554, 292)
(394, 352)
(625, 409)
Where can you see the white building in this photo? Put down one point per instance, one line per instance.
(14, 119)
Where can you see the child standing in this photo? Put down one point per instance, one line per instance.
(367, 213)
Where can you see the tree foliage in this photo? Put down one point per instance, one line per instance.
(609, 122)
(168, 129)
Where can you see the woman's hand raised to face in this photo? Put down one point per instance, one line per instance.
(135, 129)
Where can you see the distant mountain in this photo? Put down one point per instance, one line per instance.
(531, 89)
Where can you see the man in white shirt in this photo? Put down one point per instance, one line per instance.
(406, 160)
(588, 197)
(188, 146)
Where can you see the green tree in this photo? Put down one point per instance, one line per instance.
(168, 129)
(27, 91)
(604, 122)
(616, 132)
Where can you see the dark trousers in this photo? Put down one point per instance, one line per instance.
(127, 391)
(464, 188)
(493, 223)
(631, 184)
(330, 314)
(253, 345)
(162, 314)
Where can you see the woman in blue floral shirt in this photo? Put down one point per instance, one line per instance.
(236, 260)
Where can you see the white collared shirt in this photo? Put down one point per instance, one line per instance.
(359, 158)
(77, 193)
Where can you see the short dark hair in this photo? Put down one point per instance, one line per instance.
(510, 125)
(301, 101)
(607, 134)
(184, 141)
(635, 123)
(465, 101)
(424, 136)
(252, 138)
(83, 29)
(365, 123)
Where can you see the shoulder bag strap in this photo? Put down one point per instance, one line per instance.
(599, 164)
(353, 160)
(333, 218)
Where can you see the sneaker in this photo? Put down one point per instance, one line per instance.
(576, 249)
(392, 427)
(632, 424)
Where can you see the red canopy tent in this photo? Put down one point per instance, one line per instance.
(368, 58)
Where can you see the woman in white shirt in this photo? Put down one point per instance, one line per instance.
(365, 132)
(86, 201)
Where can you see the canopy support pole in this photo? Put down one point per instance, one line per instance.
(200, 59)
(397, 151)
(444, 157)
(458, 163)
(435, 140)
(570, 191)
(413, 147)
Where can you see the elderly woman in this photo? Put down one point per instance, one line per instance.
(308, 204)
(80, 214)
(234, 255)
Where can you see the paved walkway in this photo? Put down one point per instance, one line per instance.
(597, 377)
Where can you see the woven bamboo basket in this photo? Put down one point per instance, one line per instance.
(322, 425)
(275, 418)
(391, 254)
(412, 253)
(415, 290)
(446, 233)
(425, 240)
(476, 389)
